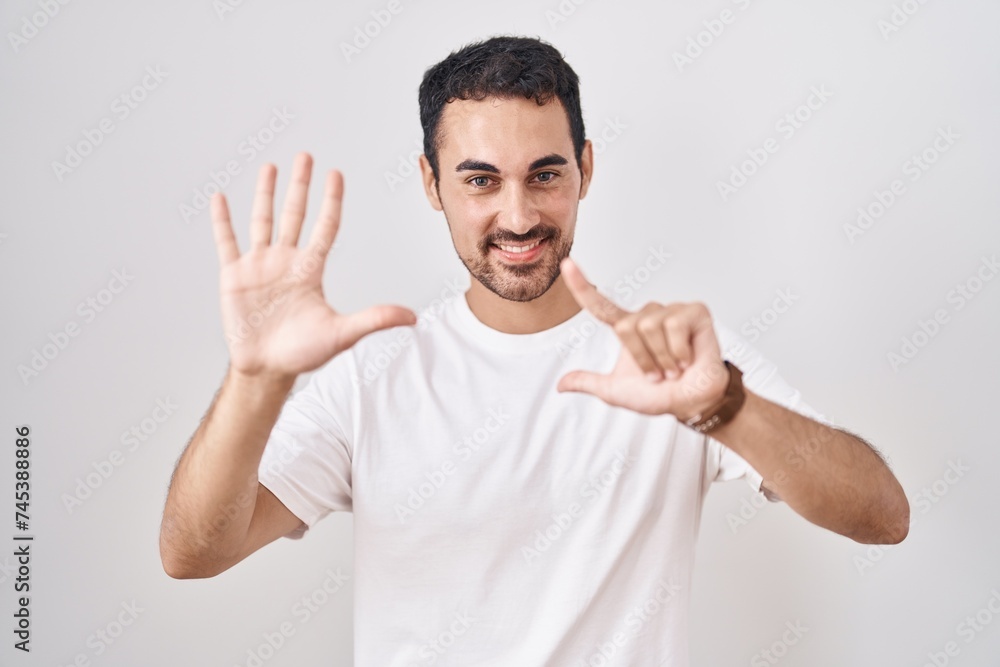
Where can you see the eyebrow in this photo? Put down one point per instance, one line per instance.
(551, 160)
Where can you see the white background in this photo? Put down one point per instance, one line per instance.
(682, 130)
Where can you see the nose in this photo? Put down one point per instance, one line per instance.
(518, 212)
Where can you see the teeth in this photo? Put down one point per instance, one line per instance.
(516, 249)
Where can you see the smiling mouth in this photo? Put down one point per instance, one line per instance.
(520, 253)
(518, 248)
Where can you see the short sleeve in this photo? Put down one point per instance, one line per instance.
(307, 459)
(760, 376)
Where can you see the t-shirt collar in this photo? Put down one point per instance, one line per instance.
(583, 323)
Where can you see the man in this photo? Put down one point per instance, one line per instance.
(510, 508)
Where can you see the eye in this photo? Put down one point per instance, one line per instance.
(480, 181)
(546, 176)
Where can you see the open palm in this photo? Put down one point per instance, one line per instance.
(275, 316)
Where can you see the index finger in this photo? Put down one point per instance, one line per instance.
(587, 295)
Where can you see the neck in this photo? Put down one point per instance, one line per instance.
(522, 317)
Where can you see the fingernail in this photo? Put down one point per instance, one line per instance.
(672, 374)
(654, 376)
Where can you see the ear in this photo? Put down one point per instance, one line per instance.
(586, 167)
(430, 183)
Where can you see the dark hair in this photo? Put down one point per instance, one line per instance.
(504, 67)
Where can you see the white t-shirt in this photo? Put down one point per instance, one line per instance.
(497, 521)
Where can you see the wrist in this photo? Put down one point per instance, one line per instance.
(723, 408)
(262, 382)
(710, 387)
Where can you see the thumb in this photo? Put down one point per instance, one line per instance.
(589, 383)
(358, 325)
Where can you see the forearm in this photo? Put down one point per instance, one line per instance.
(213, 491)
(830, 477)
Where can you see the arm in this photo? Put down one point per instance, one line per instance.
(671, 364)
(216, 512)
(830, 477)
(278, 325)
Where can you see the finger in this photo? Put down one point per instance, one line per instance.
(328, 224)
(222, 230)
(587, 295)
(587, 382)
(376, 318)
(294, 210)
(629, 335)
(704, 342)
(262, 215)
(652, 329)
(680, 331)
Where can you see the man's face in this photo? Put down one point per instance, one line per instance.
(509, 177)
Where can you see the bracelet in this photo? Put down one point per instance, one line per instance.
(723, 411)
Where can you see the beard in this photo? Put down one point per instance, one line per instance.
(517, 282)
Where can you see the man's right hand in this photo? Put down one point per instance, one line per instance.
(276, 319)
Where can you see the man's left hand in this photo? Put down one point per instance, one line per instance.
(670, 361)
